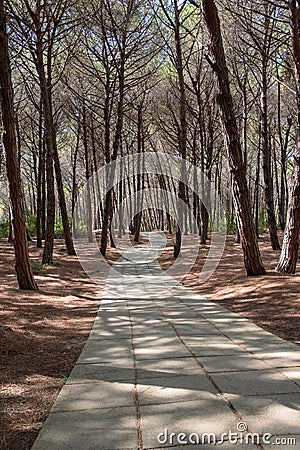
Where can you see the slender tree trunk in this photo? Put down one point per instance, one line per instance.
(108, 207)
(138, 216)
(62, 202)
(87, 174)
(22, 264)
(41, 170)
(256, 192)
(74, 168)
(266, 157)
(43, 207)
(182, 131)
(49, 233)
(252, 257)
(281, 197)
(289, 254)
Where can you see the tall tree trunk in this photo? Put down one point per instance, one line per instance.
(138, 216)
(62, 202)
(50, 221)
(182, 131)
(108, 207)
(256, 192)
(266, 156)
(22, 265)
(87, 174)
(252, 257)
(289, 254)
(41, 174)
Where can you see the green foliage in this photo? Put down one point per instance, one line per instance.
(262, 221)
(37, 268)
(231, 223)
(58, 230)
(31, 224)
(4, 229)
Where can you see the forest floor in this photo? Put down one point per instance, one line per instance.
(42, 333)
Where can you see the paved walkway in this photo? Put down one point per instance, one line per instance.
(157, 364)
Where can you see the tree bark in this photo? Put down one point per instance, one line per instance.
(266, 156)
(62, 202)
(22, 265)
(41, 175)
(182, 131)
(50, 195)
(87, 174)
(289, 253)
(252, 257)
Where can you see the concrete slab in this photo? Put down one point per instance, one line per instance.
(270, 413)
(161, 352)
(110, 428)
(174, 389)
(198, 330)
(256, 382)
(208, 415)
(91, 373)
(76, 397)
(293, 373)
(239, 362)
(106, 356)
(280, 358)
(153, 368)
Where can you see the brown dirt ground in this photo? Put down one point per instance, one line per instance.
(47, 332)
(48, 328)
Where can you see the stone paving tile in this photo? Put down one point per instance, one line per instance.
(110, 334)
(211, 350)
(174, 389)
(139, 315)
(293, 373)
(239, 362)
(154, 339)
(270, 413)
(158, 352)
(75, 397)
(115, 345)
(222, 320)
(136, 318)
(212, 341)
(198, 330)
(239, 328)
(153, 368)
(208, 415)
(281, 358)
(89, 373)
(115, 327)
(255, 340)
(111, 428)
(257, 382)
(106, 356)
(162, 332)
(186, 321)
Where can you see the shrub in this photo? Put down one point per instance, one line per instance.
(4, 229)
